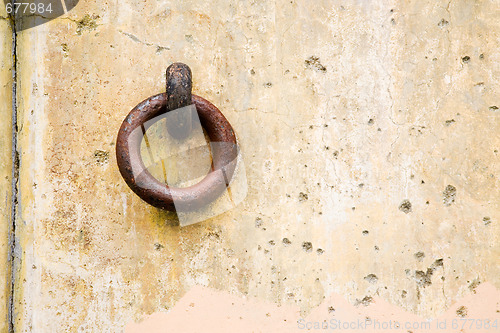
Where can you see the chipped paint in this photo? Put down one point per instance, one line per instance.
(203, 309)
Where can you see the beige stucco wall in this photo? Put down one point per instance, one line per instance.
(6, 61)
(343, 111)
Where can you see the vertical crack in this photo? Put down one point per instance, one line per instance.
(14, 175)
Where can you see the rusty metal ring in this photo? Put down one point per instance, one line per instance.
(158, 194)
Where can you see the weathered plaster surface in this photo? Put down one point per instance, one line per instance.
(6, 61)
(206, 310)
(354, 119)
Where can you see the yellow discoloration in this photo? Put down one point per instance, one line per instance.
(332, 148)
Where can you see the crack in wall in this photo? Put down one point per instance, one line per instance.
(159, 48)
(14, 176)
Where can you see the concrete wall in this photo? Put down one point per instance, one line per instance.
(369, 131)
(6, 62)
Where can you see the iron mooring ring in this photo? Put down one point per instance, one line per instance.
(218, 129)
